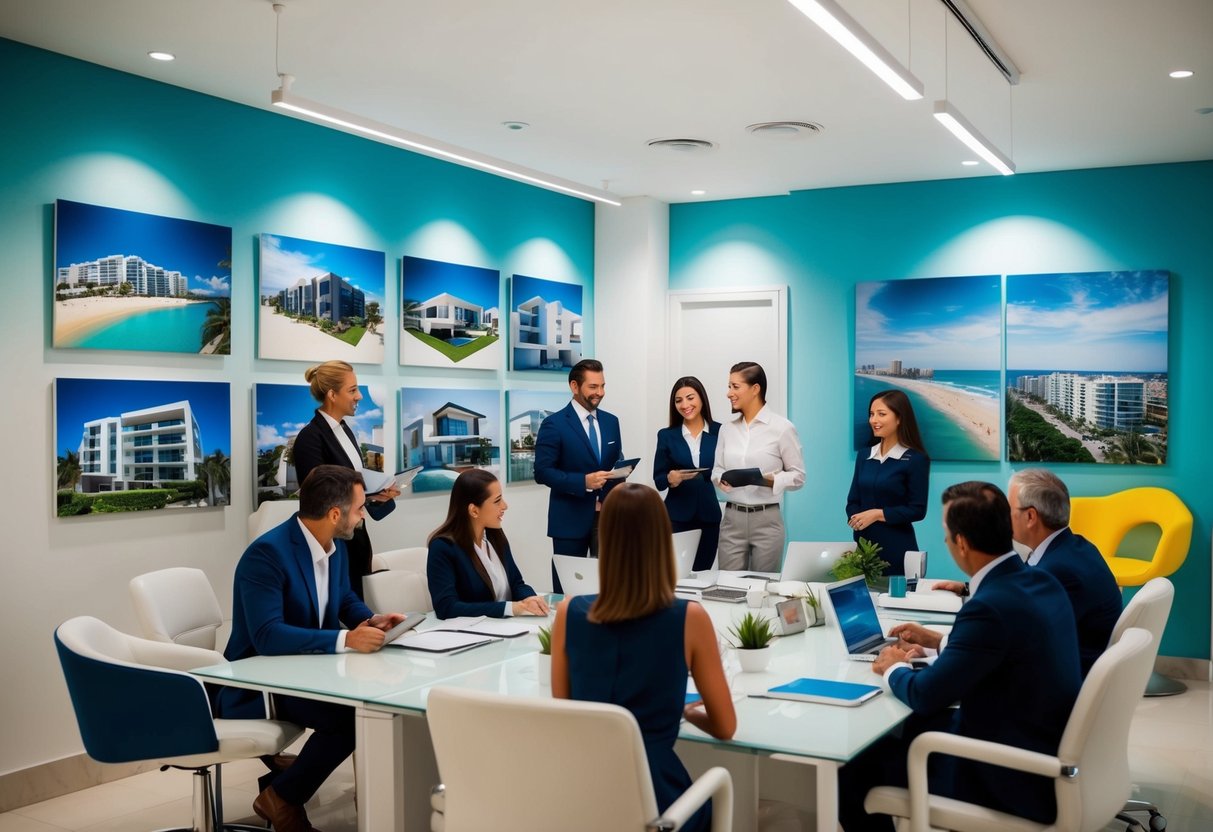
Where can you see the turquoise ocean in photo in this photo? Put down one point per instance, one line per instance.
(943, 437)
(176, 329)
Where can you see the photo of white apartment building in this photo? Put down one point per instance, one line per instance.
(544, 335)
(144, 278)
(1103, 401)
(140, 449)
(326, 296)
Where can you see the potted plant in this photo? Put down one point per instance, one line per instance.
(864, 560)
(751, 638)
(543, 661)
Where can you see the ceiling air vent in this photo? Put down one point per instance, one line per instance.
(683, 145)
(784, 129)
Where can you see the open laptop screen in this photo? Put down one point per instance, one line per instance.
(856, 613)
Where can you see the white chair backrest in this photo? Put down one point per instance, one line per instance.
(397, 591)
(94, 639)
(1096, 739)
(474, 732)
(269, 514)
(178, 605)
(1148, 609)
(411, 559)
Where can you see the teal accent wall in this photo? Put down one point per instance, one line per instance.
(821, 243)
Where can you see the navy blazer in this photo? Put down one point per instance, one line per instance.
(899, 487)
(562, 459)
(1011, 661)
(274, 607)
(694, 500)
(1084, 574)
(457, 587)
(316, 445)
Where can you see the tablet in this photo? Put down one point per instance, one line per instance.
(410, 621)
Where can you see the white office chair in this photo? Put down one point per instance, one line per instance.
(605, 786)
(134, 702)
(397, 582)
(269, 514)
(1090, 770)
(177, 605)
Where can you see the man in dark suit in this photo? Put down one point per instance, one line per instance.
(1040, 520)
(574, 453)
(292, 595)
(1011, 662)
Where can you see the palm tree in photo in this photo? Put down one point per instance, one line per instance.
(69, 471)
(217, 468)
(410, 309)
(373, 316)
(218, 324)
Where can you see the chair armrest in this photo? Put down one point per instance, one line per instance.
(173, 656)
(941, 742)
(714, 784)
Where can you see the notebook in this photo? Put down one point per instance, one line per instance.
(812, 560)
(501, 627)
(849, 606)
(578, 576)
(441, 641)
(824, 691)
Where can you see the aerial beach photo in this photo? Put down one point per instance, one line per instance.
(939, 340)
(129, 281)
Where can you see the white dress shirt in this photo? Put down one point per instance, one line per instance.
(1039, 551)
(693, 442)
(344, 440)
(895, 452)
(583, 416)
(492, 564)
(320, 565)
(770, 444)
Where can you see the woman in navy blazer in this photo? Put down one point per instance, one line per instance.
(889, 490)
(690, 442)
(470, 569)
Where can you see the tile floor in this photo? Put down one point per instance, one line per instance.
(1171, 747)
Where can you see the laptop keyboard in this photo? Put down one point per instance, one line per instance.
(723, 593)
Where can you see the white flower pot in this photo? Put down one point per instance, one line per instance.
(754, 661)
(543, 669)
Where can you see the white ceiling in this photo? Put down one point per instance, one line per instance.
(597, 80)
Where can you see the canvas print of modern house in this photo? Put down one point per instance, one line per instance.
(137, 445)
(449, 315)
(545, 324)
(320, 301)
(448, 432)
(527, 409)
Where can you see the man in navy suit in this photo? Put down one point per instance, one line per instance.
(292, 595)
(1011, 662)
(574, 453)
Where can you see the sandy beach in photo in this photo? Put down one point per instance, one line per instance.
(978, 415)
(282, 337)
(77, 317)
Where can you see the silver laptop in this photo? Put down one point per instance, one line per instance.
(578, 576)
(812, 560)
(850, 609)
(686, 544)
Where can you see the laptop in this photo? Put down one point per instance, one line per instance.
(686, 544)
(812, 560)
(578, 576)
(849, 605)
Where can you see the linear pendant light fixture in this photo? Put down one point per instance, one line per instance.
(959, 126)
(855, 39)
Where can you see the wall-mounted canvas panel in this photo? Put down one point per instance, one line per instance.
(940, 340)
(1087, 365)
(129, 281)
(281, 412)
(527, 410)
(546, 326)
(319, 301)
(449, 315)
(447, 432)
(135, 446)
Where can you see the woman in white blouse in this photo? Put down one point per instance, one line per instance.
(752, 531)
(470, 569)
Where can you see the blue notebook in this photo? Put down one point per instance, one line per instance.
(824, 691)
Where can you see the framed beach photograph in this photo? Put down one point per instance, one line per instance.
(449, 315)
(1087, 367)
(319, 301)
(938, 339)
(527, 409)
(545, 324)
(449, 431)
(141, 445)
(129, 281)
(281, 411)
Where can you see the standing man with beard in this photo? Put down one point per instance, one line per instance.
(574, 453)
(292, 596)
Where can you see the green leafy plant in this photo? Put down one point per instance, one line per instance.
(864, 560)
(752, 632)
(545, 641)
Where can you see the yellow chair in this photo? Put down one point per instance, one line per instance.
(1106, 520)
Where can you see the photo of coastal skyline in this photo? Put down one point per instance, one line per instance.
(939, 340)
(527, 409)
(133, 445)
(123, 280)
(319, 301)
(1087, 367)
(545, 324)
(449, 315)
(281, 411)
(449, 431)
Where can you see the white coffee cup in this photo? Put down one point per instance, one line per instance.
(755, 597)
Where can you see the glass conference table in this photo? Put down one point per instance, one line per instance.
(395, 765)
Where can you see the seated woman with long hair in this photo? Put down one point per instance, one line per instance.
(634, 643)
(470, 569)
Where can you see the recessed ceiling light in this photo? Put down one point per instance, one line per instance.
(162, 56)
(515, 125)
(698, 192)
(1182, 73)
(969, 163)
